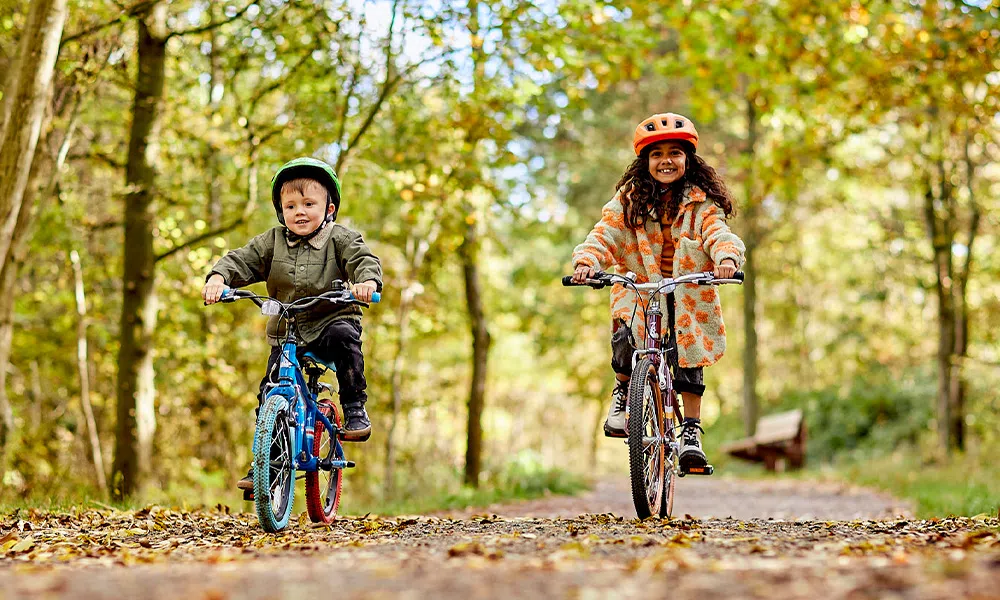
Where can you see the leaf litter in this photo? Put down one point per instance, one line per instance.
(864, 558)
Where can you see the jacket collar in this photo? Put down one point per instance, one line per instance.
(692, 193)
(317, 241)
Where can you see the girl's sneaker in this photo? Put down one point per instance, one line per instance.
(692, 454)
(615, 425)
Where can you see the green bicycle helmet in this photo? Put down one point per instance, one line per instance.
(311, 168)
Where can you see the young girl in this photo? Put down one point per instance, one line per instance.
(667, 219)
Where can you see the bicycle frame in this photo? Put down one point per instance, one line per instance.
(654, 343)
(654, 464)
(292, 386)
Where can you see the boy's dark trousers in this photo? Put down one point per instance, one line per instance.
(340, 343)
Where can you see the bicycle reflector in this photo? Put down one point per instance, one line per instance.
(270, 308)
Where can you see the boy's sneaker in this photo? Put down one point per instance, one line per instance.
(614, 426)
(692, 454)
(247, 482)
(357, 427)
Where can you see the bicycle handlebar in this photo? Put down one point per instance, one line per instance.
(602, 280)
(339, 296)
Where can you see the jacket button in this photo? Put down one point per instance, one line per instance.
(302, 268)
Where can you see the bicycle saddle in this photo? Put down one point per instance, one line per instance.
(315, 359)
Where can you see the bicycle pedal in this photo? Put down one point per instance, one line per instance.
(699, 470)
(350, 464)
(612, 433)
(248, 495)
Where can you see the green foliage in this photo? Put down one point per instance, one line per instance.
(965, 485)
(872, 414)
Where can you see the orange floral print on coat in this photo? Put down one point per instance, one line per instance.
(701, 239)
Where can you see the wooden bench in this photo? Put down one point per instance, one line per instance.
(780, 442)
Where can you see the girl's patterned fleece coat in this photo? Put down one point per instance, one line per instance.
(701, 238)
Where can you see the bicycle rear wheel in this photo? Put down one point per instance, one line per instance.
(273, 471)
(323, 487)
(670, 450)
(646, 441)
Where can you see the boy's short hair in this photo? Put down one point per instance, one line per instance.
(300, 185)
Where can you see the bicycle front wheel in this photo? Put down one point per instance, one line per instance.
(323, 487)
(273, 471)
(646, 439)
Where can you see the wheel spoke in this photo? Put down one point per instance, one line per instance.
(280, 466)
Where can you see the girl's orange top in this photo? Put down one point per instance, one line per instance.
(667, 255)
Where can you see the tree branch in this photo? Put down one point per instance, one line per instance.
(126, 13)
(201, 238)
(259, 95)
(213, 25)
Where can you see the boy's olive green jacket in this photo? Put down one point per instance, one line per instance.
(299, 269)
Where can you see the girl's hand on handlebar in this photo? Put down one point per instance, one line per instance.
(213, 289)
(726, 269)
(363, 291)
(583, 273)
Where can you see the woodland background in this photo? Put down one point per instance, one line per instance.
(477, 141)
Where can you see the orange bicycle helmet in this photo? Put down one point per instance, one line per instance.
(664, 126)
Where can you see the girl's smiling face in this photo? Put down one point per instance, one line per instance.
(304, 211)
(667, 161)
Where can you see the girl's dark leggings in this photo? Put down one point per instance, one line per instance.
(690, 380)
(340, 343)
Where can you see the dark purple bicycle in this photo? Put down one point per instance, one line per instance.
(653, 413)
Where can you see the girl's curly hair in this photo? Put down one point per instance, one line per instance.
(640, 193)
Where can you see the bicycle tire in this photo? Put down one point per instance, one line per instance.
(646, 474)
(273, 472)
(671, 461)
(323, 494)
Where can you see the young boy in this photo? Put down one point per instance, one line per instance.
(303, 257)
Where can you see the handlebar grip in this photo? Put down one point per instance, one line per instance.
(376, 297)
(593, 283)
(738, 275)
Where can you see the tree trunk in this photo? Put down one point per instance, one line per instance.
(133, 432)
(37, 398)
(10, 268)
(8, 276)
(751, 410)
(395, 390)
(203, 409)
(417, 247)
(480, 352)
(25, 110)
(961, 350)
(941, 238)
(82, 362)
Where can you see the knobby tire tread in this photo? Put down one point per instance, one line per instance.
(315, 502)
(271, 523)
(636, 422)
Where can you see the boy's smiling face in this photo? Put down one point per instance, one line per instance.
(306, 210)
(667, 161)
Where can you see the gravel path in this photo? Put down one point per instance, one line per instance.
(705, 497)
(158, 553)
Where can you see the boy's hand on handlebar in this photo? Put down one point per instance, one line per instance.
(583, 273)
(363, 291)
(213, 289)
(726, 269)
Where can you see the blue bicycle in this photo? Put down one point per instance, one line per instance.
(296, 431)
